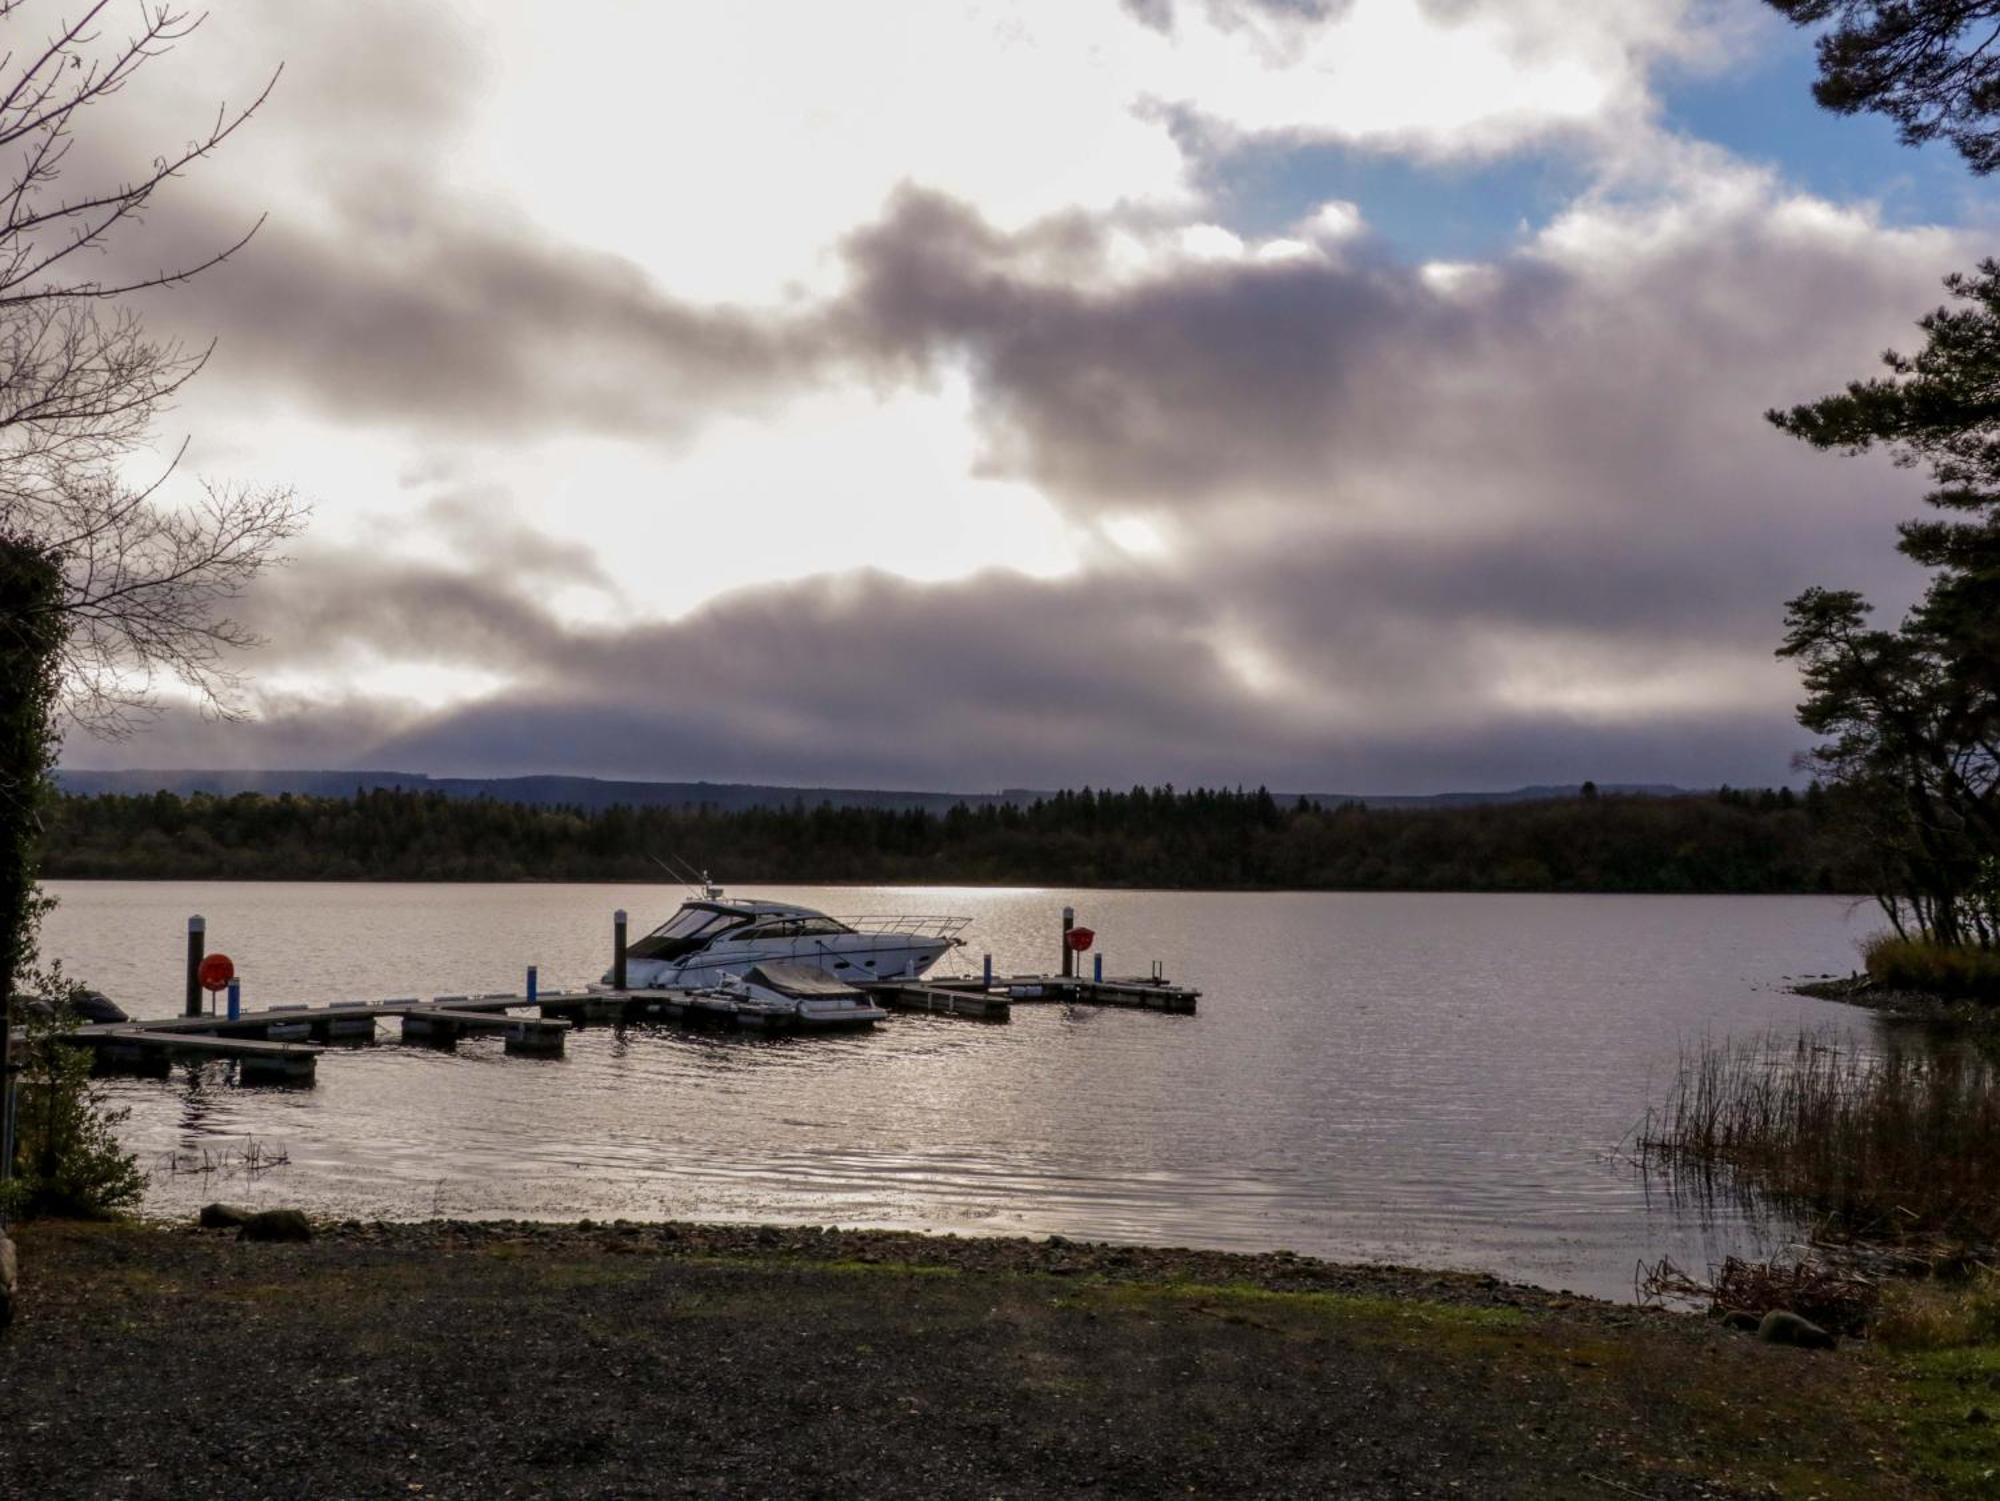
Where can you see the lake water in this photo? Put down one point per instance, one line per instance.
(1436, 1079)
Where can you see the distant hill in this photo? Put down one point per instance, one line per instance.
(1541, 794)
(534, 791)
(595, 793)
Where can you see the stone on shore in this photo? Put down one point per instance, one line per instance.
(1782, 1328)
(276, 1225)
(223, 1216)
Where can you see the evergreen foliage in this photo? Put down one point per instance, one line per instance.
(1929, 65)
(30, 634)
(1913, 714)
(1159, 837)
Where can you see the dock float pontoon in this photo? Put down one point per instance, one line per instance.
(774, 993)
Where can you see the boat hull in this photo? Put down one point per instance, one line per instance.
(851, 957)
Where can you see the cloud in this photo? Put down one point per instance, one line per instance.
(871, 680)
(397, 285)
(466, 324)
(1403, 526)
(1615, 367)
(1413, 528)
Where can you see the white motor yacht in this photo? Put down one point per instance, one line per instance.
(712, 937)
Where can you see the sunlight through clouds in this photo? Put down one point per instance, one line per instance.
(610, 339)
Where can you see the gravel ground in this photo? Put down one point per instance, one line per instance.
(493, 1360)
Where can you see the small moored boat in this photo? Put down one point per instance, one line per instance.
(797, 995)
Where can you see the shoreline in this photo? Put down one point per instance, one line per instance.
(1279, 1270)
(1900, 1005)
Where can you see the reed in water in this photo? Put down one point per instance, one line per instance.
(1891, 1145)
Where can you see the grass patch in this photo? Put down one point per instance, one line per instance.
(1438, 1329)
(1945, 1408)
(1954, 971)
(1892, 1146)
(1941, 1315)
(1940, 1344)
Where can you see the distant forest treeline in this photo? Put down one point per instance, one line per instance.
(1721, 842)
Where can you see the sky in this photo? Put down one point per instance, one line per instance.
(1336, 395)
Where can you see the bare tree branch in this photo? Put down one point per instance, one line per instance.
(147, 584)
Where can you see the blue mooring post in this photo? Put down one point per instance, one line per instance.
(531, 982)
(1097, 968)
(235, 999)
(618, 949)
(987, 975)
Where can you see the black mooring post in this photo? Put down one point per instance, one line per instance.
(197, 943)
(618, 949)
(1069, 954)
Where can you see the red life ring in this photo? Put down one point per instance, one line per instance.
(216, 971)
(1081, 939)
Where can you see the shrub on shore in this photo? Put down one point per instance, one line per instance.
(1898, 1145)
(67, 1158)
(1955, 972)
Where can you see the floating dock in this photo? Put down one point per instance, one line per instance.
(283, 1044)
(994, 999)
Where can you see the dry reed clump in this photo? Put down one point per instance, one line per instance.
(1888, 1146)
(1838, 1298)
(1925, 968)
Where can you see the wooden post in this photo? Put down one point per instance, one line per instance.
(618, 949)
(197, 947)
(1069, 955)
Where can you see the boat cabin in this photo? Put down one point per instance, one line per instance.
(699, 924)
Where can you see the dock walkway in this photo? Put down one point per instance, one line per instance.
(283, 1044)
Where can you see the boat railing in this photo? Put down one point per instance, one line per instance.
(907, 926)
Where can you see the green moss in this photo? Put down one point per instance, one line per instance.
(1945, 1405)
(1249, 1300)
(760, 1261)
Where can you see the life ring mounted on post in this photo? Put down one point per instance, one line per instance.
(216, 972)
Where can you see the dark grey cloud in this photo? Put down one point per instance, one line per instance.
(1626, 386)
(996, 680)
(1212, 379)
(461, 324)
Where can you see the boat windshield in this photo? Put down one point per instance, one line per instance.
(796, 927)
(691, 928)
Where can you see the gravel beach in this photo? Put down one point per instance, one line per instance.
(625, 1360)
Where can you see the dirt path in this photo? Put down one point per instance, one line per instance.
(484, 1361)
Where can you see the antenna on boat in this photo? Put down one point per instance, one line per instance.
(680, 877)
(697, 882)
